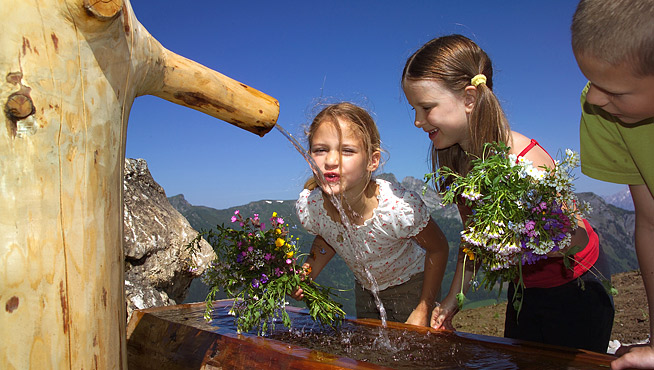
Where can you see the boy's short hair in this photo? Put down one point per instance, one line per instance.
(617, 32)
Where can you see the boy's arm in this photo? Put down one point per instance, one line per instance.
(432, 239)
(642, 357)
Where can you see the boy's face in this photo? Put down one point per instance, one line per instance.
(617, 90)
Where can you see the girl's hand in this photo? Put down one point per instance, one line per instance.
(297, 294)
(442, 315)
(419, 316)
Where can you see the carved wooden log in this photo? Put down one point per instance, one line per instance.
(71, 70)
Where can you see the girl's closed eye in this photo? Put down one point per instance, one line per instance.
(349, 150)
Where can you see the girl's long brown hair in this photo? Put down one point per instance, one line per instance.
(454, 60)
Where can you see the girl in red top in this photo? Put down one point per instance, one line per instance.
(449, 82)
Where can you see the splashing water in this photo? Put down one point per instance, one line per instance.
(350, 235)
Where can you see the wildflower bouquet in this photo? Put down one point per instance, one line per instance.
(520, 213)
(258, 268)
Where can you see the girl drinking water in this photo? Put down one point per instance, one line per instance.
(449, 83)
(391, 236)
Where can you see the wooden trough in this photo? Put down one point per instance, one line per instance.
(177, 337)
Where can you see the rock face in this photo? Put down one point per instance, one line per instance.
(615, 227)
(158, 267)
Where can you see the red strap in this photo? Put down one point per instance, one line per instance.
(532, 144)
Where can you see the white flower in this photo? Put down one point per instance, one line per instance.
(536, 174)
(512, 159)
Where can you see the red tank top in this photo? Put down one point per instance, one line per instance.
(551, 272)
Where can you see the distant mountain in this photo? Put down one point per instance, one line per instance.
(621, 199)
(614, 226)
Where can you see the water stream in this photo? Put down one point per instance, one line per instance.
(358, 244)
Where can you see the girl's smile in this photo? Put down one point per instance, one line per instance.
(432, 134)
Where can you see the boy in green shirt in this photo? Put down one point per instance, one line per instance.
(613, 42)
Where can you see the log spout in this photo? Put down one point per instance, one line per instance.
(193, 85)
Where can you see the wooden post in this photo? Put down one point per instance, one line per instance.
(70, 70)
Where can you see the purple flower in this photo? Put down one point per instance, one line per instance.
(234, 218)
(278, 272)
(256, 217)
(250, 249)
(264, 278)
(237, 212)
(531, 258)
(267, 256)
(255, 283)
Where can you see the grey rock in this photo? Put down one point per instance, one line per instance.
(159, 267)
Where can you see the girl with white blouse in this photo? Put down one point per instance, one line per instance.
(391, 236)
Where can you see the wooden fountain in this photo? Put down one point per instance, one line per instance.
(71, 70)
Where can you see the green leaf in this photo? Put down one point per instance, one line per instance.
(610, 289)
(573, 250)
(460, 298)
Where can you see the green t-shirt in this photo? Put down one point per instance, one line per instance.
(613, 151)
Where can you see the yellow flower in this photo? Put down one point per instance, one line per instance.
(278, 231)
(471, 255)
(274, 214)
(290, 254)
(280, 242)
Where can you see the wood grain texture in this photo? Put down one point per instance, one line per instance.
(61, 164)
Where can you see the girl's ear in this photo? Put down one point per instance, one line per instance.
(469, 98)
(375, 158)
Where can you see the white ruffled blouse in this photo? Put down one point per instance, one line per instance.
(384, 242)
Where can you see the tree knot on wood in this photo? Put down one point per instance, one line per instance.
(19, 105)
(103, 9)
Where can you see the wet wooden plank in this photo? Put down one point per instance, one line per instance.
(177, 337)
(156, 342)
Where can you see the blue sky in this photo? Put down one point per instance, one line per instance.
(302, 52)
